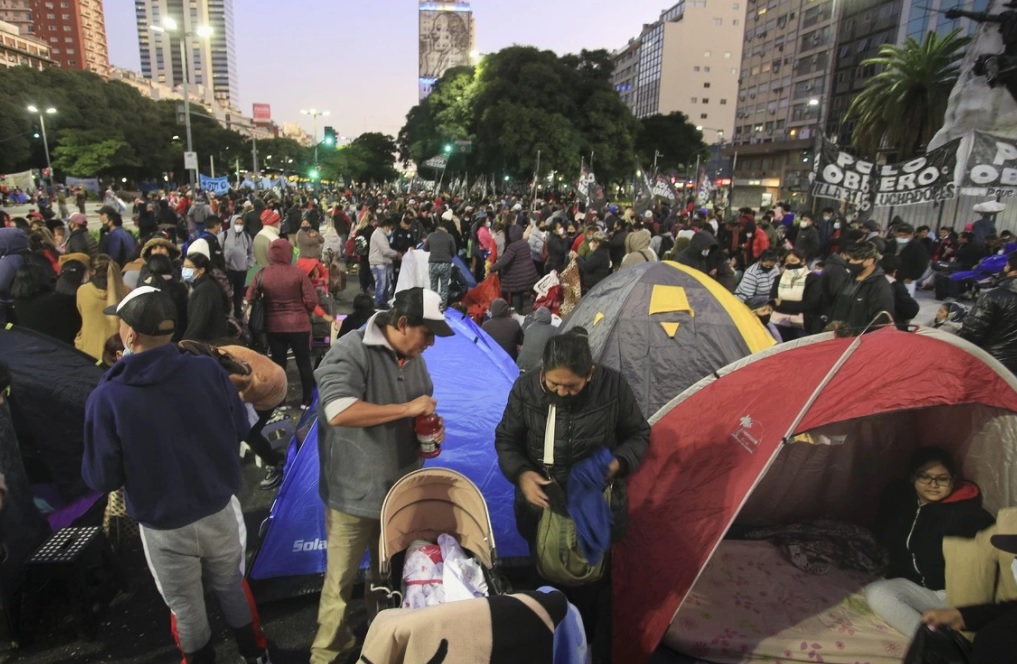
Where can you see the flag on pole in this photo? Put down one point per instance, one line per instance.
(643, 194)
(437, 161)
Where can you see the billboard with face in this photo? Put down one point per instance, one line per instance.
(445, 38)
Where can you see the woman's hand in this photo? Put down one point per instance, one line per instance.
(951, 618)
(531, 484)
(613, 468)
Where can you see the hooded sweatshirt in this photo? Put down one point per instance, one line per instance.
(637, 248)
(535, 337)
(503, 328)
(13, 248)
(166, 426)
(289, 294)
(693, 256)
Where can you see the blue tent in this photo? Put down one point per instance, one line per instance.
(472, 377)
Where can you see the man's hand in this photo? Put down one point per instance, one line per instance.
(951, 618)
(531, 484)
(422, 405)
(613, 468)
(439, 437)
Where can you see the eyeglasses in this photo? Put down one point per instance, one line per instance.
(939, 480)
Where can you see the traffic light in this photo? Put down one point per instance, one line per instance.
(330, 136)
(35, 130)
(314, 173)
(448, 149)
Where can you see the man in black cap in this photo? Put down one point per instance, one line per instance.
(180, 477)
(372, 384)
(995, 625)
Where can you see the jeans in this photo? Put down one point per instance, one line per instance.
(300, 342)
(238, 281)
(901, 603)
(382, 284)
(212, 547)
(348, 537)
(441, 277)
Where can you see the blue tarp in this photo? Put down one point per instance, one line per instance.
(472, 377)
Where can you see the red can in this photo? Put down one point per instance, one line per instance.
(427, 428)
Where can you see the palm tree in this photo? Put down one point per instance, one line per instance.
(902, 107)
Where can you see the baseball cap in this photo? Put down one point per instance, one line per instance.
(78, 219)
(147, 310)
(200, 246)
(517, 207)
(426, 304)
(1007, 543)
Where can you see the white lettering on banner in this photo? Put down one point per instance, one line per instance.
(984, 174)
(844, 160)
(913, 197)
(309, 545)
(1004, 152)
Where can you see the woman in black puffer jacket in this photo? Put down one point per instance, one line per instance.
(518, 273)
(595, 409)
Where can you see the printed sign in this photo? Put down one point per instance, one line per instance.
(262, 114)
(992, 165)
(841, 176)
(921, 180)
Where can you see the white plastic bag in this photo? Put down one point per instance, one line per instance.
(462, 576)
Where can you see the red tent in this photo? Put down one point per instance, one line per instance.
(731, 446)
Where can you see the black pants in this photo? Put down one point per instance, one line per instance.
(238, 281)
(300, 342)
(366, 278)
(259, 444)
(996, 642)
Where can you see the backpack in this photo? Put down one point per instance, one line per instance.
(360, 246)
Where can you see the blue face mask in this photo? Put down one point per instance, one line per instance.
(187, 274)
(127, 351)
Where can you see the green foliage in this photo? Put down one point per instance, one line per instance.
(133, 132)
(902, 107)
(521, 100)
(672, 136)
(370, 157)
(84, 153)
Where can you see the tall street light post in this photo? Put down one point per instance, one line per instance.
(315, 114)
(170, 26)
(45, 141)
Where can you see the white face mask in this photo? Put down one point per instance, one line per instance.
(238, 229)
(705, 252)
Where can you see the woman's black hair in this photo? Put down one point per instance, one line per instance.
(72, 275)
(931, 454)
(30, 281)
(201, 262)
(570, 350)
(363, 302)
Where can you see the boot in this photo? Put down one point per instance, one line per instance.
(204, 656)
(247, 644)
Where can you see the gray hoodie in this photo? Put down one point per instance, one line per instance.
(360, 464)
(535, 337)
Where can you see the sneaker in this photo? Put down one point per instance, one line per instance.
(273, 477)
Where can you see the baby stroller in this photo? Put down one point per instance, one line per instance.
(422, 505)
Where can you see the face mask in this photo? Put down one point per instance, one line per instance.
(705, 252)
(765, 320)
(836, 225)
(827, 218)
(563, 402)
(765, 268)
(793, 266)
(856, 268)
(306, 229)
(806, 224)
(187, 274)
(238, 229)
(901, 241)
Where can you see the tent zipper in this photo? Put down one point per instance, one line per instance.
(914, 561)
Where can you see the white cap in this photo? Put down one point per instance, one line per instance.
(447, 215)
(517, 207)
(426, 304)
(990, 207)
(200, 246)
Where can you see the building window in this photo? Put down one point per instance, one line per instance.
(734, 71)
(706, 100)
(70, 51)
(727, 55)
(706, 69)
(735, 21)
(702, 116)
(723, 102)
(706, 85)
(718, 22)
(695, 100)
(695, 68)
(706, 54)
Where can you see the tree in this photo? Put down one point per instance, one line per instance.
(672, 137)
(445, 115)
(87, 153)
(902, 107)
(375, 156)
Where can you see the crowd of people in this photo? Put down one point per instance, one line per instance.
(172, 303)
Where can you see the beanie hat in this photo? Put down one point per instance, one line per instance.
(200, 246)
(78, 219)
(270, 217)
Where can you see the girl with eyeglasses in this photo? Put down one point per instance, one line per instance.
(913, 519)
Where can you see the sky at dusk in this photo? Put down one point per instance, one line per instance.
(358, 58)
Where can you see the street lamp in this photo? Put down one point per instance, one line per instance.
(32, 108)
(315, 114)
(204, 31)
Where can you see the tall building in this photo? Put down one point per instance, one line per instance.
(211, 61)
(20, 50)
(447, 40)
(75, 31)
(783, 99)
(19, 14)
(688, 61)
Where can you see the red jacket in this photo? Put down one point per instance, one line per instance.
(289, 296)
(760, 243)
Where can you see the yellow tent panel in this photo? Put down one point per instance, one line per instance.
(666, 299)
(670, 328)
